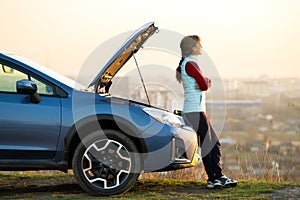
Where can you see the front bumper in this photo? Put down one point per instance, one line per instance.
(178, 152)
(184, 150)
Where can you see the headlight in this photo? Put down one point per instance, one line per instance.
(164, 117)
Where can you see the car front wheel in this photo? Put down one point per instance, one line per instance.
(106, 163)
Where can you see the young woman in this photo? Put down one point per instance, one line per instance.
(194, 110)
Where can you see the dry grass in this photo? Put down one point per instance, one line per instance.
(262, 165)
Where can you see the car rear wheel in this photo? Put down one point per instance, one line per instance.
(106, 163)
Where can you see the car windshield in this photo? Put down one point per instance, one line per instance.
(63, 79)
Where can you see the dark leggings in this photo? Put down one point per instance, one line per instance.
(208, 141)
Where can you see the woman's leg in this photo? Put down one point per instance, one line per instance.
(199, 123)
(215, 151)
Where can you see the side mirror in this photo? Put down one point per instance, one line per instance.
(30, 88)
(26, 87)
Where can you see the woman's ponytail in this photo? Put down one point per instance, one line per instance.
(178, 71)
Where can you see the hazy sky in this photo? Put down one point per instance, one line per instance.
(244, 38)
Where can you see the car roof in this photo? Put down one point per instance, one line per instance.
(57, 76)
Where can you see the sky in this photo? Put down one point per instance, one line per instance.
(243, 38)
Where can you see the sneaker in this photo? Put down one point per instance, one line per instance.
(223, 181)
(210, 184)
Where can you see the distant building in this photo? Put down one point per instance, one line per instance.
(255, 88)
(241, 88)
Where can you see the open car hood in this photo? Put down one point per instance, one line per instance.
(130, 46)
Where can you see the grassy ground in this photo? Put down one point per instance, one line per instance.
(63, 186)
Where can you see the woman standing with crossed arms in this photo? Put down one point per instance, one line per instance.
(194, 111)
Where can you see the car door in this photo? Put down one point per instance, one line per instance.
(27, 130)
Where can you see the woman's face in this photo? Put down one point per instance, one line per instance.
(197, 49)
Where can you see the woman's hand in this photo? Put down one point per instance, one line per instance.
(208, 82)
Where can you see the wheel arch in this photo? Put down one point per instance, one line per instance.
(86, 125)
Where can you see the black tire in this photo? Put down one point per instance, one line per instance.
(106, 163)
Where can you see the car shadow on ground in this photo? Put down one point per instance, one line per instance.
(64, 188)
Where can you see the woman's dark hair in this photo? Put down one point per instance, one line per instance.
(186, 46)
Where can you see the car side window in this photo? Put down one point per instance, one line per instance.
(43, 88)
(9, 77)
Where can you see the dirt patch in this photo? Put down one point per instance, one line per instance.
(288, 192)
